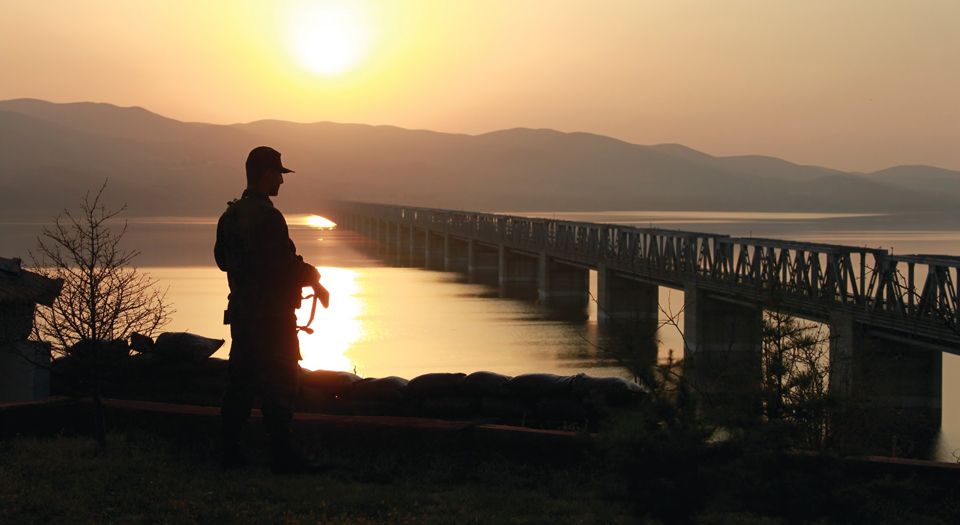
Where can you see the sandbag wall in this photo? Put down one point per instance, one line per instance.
(177, 368)
(530, 399)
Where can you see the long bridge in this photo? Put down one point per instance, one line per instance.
(890, 316)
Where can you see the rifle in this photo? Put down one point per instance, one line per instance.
(321, 295)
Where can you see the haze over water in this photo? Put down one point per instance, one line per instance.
(407, 321)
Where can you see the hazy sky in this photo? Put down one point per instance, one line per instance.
(853, 84)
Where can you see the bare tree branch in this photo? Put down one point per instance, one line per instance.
(103, 297)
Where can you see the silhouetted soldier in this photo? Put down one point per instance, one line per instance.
(266, 277)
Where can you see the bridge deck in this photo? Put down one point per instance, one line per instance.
(911, 296)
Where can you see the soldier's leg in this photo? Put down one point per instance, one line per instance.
(280, 374)
(280, 386)
(237, 401)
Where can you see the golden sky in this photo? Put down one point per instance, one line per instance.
(852, 84)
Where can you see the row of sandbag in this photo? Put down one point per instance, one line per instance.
(526, 387)
(171, 347)
(176, 346)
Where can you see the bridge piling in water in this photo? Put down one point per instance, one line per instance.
(456, 254)
(385, 238)
(518, 274)
(722, 350)
(563, 286)
(630, 310)
(887, 382)
(402, 246)
(434, 250)
(626, 302)
(484, 264)
(394, 240)
(418, 248)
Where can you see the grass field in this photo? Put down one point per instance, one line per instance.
(637, 474)
(145, 480)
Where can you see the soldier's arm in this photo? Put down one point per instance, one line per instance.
(278, 253)
(220, 248)
(307, 272)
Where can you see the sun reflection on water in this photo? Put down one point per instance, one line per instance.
(314, 221)
(337, 328)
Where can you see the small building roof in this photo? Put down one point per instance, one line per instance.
(19, 285)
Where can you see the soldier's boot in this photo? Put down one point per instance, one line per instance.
(287, 458)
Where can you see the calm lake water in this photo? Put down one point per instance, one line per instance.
(404, 321)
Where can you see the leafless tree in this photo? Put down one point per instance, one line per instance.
(104, 296)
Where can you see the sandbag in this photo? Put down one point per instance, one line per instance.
(435, 385)
(141, 343)
(542, 385)
(385, 389)
(485, 384)
(328, 381)
(608, 390)
(103, 352)
(184, 346)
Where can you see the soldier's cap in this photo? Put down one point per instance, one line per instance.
(263, 158)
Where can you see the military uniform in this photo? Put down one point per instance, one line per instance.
(266, 277)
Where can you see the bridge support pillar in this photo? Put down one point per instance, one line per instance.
(376, 235)
(368, 245)
(418, 248)
(890, 391)
(626, 302)
(722, 345)
(563, 287)
(434, 251)
(518, 275)
(456, 256)
(484, 264)
(629, 310)
(389, 239)
(402, 247)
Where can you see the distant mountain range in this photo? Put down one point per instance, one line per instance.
(51, 153)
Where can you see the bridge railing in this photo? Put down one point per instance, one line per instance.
(814, 275)
(922, 286)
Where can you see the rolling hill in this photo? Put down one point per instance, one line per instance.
(51, 153)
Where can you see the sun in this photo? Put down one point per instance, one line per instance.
(329, 39)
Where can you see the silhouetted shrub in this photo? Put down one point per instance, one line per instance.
(607, 390)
